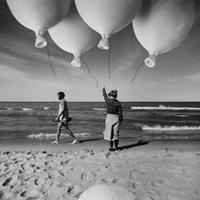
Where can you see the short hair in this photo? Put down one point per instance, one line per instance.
(61, 94)
(113, 93)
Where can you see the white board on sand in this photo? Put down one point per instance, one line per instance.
(107, 192)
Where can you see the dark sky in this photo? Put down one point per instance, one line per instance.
(25, 73)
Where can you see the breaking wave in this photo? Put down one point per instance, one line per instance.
(99, 109)
(27, 109)
(48, 136)
(161, 107)
(170, 128)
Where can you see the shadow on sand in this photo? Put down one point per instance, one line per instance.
(89, 140)
(139, 143)
(128, 146)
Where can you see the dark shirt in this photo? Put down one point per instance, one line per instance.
(113, 106)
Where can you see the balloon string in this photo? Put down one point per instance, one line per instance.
(89, 72)
(109, 68)
(49, 61)
(136, 72)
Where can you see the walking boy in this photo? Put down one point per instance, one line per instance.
(63, 119)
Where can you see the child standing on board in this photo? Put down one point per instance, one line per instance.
(63, 119)
(114, 118)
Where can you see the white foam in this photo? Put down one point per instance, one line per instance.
(99, 109)
(180, 115)
(162, 107)
(9, 108)
(48, 136)
(27, 109)
(170, 128)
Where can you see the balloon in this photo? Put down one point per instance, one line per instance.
(107, 192)
(73, 35)
(107, 16)
(162, 25)
(39, 15)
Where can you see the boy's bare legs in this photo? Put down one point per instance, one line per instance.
(58, 133)
(69, 132)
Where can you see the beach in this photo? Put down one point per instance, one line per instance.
(165, 166)
(165, 170)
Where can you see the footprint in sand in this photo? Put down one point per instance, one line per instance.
(108, 155)
(36, 182)
(1, 194)
(7, 181)
(91, 152)
(70, 188)
(6, 152)
(33, 194)
(65, 162)
(132, 185)
(114, 180)
(23, 194)
(82, 157)
(83, 175)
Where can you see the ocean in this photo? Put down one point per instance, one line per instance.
(150, 120)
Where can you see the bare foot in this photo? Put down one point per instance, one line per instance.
(54, 142)
(75, 141)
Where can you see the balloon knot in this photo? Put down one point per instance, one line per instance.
(40, 41)
(104, 43)
(76, 62)
(150, 61)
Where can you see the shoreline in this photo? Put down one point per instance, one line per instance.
(98, 144)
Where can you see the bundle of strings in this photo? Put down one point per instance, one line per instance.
(136, 72)
(89, 73)
(109, 68)
(49, 61)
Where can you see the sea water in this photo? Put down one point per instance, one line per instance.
(152, 120)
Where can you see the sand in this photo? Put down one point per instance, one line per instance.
(166, 170)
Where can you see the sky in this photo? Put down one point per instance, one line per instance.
(26, 75)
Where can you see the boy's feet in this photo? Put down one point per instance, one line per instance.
(111, 149)
(75, 141)
(54, 142)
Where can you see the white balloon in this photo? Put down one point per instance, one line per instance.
(39, 15)
(162, 25)
(107, 192)
(107, 16)
(73, 35)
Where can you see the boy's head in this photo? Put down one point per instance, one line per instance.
(61, 95)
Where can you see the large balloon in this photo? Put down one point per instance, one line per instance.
(73, 35)
(39, 15)
(162, 25)
(107, 192)
(107, 16)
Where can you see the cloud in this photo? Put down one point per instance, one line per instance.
(16, 85)
(25, 72)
